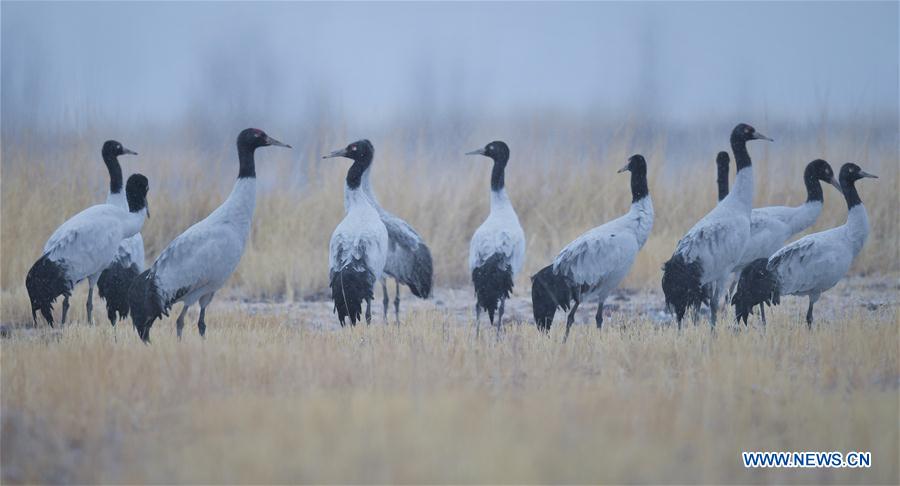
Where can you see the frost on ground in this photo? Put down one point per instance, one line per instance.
(625, 304)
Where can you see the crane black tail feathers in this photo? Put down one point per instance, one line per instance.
(113, 286)
(424, 272)
(46, 280)
(681, 285)
(549, 291)
(492, 281)
(756, 285)
(349, 288)
(145, 304)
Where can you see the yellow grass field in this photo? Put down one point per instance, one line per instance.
(265, 399)
(277, 393)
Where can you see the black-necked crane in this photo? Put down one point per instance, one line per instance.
(497, 249)
(593, 265)
(359, 244)
(199, 261)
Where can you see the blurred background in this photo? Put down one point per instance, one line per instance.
(574, 88)
(297, 69)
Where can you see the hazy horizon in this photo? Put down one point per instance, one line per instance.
(362, 65)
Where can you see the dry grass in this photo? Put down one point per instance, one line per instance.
(264, 402)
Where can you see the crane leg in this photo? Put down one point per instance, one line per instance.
(201, 322)
(90, 302)
(713, 305)
(571, 318)
(722, 293)
(762, 313)
(599, 317)
(396, 300)
(179, 323)
(500, 315)
(477, 319)
(368, 311)
(809, 312)
(65, 309)
(384, 299)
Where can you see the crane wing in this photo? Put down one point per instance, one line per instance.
(203, 254)
(596, 255)
(809, 264)
(86, 243)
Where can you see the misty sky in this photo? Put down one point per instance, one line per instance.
(678, 62)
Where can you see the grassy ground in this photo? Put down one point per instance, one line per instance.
(278, 394)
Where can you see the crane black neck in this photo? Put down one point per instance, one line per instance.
(246, 159)
(850, 195)
(136, 201)
(354, 175)
(722, 180)
(498, 174)
(115, 173)
(741, 156)
(639, 189)
(813, 186)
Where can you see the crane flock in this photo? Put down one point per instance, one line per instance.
(733, 242)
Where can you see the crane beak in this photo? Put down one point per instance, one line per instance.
(336, 153)
(863, 173)
(760, 136)
(837, 185)
(128, 151)
(476, 152)
(272, 141)
(623, 169)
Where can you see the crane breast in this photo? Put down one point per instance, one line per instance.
(362, 240)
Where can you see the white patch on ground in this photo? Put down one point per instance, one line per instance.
(872, 293)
